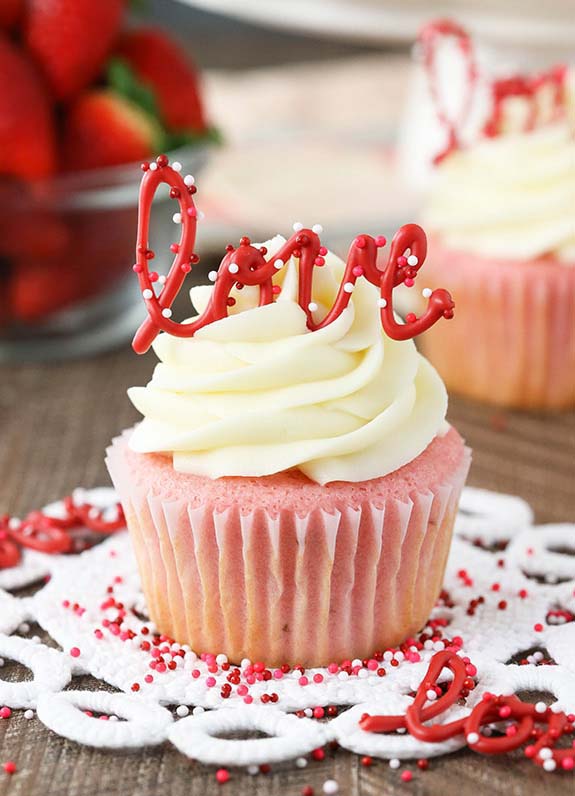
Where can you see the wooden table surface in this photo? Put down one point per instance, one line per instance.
(55, 423)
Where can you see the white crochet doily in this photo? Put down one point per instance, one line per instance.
(92, 608)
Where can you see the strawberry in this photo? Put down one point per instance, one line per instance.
(27, 135)
(161, 65)
(38, 289)
(71, 39)
(105, 129)
(10, 13)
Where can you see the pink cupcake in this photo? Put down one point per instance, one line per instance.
(501, 213)
(292, 488)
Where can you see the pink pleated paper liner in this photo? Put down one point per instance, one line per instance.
(512, 341)
(293, 589)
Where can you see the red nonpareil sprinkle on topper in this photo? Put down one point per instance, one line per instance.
(247, 265)
(9, 767)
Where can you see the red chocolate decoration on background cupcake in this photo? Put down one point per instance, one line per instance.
(247, 265)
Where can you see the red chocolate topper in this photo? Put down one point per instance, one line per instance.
(247, 265)
(528, 87)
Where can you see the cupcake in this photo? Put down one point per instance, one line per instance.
(501, 218)
(292, 487)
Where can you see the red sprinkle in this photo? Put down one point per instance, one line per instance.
(222, 775)
(75, 652)
(9, 767)
(406, 776)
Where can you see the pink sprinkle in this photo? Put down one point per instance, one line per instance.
(5, 713)
(406, 776)
(196, 673)
(380, 241)
(75, 652)
(357, 271)
(538, 627)
(278, 674)
(409, 282)
(333, 668)
(318, 678)
(303, 680)
(242, 690)
(372, 664)
(210, 682)
(248, 699)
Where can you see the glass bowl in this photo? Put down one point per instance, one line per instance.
(66, 251)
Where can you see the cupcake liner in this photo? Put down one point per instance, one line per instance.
(305, 589)
(512, 341)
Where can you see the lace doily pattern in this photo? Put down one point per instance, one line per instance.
(508, 605)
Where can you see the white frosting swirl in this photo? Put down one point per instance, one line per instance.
(512, 196)
(258, 393)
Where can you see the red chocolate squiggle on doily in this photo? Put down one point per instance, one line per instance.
(527, 87)
(522, 718)
(47, 534)
(247, 265)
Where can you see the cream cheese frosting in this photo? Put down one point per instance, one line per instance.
(512, 196)
(258, 393)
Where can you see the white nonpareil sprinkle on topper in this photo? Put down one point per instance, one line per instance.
(147, 293)
(278, 264)
(233, 268)
(177, 218)
(212, 276)
(382, 303)
(426, 292)
(297, 226)
(189, 180)
(176, 165)
(317, 228)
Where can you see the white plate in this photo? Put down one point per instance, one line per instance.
(527, 23)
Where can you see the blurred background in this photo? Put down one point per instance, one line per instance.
(284, 110)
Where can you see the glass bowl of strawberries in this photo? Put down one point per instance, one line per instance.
(83, 103)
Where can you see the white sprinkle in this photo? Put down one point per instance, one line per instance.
(197, 710)
(363, 673)
(348, 287)
(343, 675)
(176, 165)
(113, 718)
(308, 712)
(472, 737)
(297, 226)
(233, 268)
(317, 228)
(426, 292)
(253, 770)
(167, 312)
(545, 753)
(278, 264)
(412, 260)
(147, 293)
(177, 218)
(301, 762)
(550, 765)
(189, 180)
(312, 306)
(29, 714)
(2, 662)
(221, 659)
(388, 656)
(555, 708)
(394, 763)
(35, 639)
(431, 695)
(162, 279)
(212, 276)
(540, 707)
(153, 166)
(382, 303)
(399, 656)
(182, 711)
(24, 628)
(330, 786)
(401, 730)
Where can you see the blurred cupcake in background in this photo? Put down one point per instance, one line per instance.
(500, 211)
